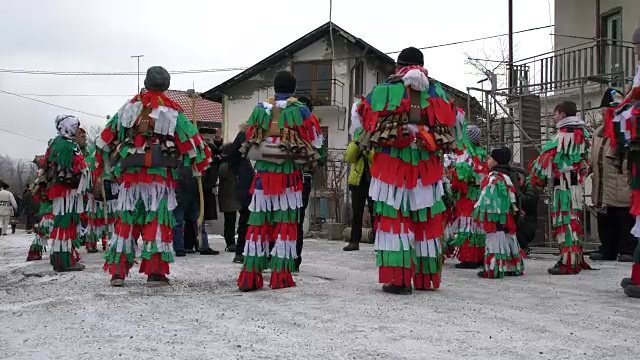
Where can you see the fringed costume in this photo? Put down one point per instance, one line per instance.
(99, 225)
(563, 164)
(622, 127)
(407, 121)
(141, 146)
(42, 228)
(66, 172)
(283, 135)
(495, 211)
(468, 172)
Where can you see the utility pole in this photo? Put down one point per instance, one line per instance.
(138, 57)
(510, 78)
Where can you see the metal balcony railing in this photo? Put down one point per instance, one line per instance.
(602, 61)
(328, 92)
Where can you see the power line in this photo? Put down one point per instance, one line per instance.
(22, 135)
(77, 95)
(47, 103)
(215, 70)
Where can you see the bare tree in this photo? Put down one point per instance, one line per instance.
(17, 173)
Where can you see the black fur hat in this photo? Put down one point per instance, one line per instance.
(157, 79)
(410, 56)
(284, 82)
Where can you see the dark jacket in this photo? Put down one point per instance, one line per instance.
(528, 221)
(209, 184)
(187, 192)
(242, 168)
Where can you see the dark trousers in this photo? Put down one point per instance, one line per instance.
(306, 192)
(359, 198)
(614, 228)
(242, 229)
(230, 227)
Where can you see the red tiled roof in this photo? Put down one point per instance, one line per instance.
(206, 111)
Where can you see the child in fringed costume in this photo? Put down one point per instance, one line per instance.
(468, 172)
(563, 164)
(283, 135)
(66, 172)
(622, 127)
(407, 121)
(495, 211)
(141, 146)
(81, 140)
(99, 225)
(42, 228)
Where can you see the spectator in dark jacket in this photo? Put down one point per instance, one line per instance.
(29, 209)
(528, 216)
(228, 201)
(242, 169)
(187, 212)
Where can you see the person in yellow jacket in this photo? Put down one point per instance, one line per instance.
(359, 180)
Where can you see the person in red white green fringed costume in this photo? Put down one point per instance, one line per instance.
(407, 121)
(468, 171)
(283, 135)
(495, 211)
(622, 127)
(66, 172)
(140, 147)
(99, 226)
(563, 164)
(42, 229)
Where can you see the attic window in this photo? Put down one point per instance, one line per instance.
(314, 81)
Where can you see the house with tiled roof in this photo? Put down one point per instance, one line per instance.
(207, 113)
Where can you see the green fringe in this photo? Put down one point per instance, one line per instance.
(140, 216)
(255, 264)
(408, 154)
(288, 167)
(475, 239)
(279, 264)
(403, 258)
(290, 116)
(113, 257)
(495, 205)
(151, 248)
(62, 151)
(64, 257)
(384, 209)
(46, 207)
(67, 220)
(258, 218)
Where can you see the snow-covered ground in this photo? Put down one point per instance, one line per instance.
(337, 311)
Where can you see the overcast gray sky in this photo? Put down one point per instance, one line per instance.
(80, 35)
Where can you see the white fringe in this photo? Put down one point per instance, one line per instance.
(284, 249)
(150, 194)
(255, 248)
(416, 79)
(356, 122)
(391, 242)
(289, 200)
(420, 197)
(128, 113)
(71, 202)
(123, 245)
(165, 119)
(61, 245)
(635, 231)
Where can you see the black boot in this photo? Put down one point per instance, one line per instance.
(209, 251)
(558, 270)
(76, 267)
(230, 248)
(156, 280)
(468, 265)
(238, 259)
(626, 282)
(116, 281)
(181, 252)
(353, 246)
(298, 261)
(632, 291)
(398, 290)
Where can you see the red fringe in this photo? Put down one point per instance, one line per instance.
(64, 234)
(281, 279)
(155, 99)
(394, 171)
(426, 281)
(464, 207)
(286, 231)
(276, 183)
(433, 228)
(120, 268)
(467, 253)
(58, 190)
(635, 202)
(396, 275)
(142, 177)
(635, 274)
(250, 280)
(33, 254)
(154, 266)
(150, 230)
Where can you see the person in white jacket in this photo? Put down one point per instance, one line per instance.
(8, 207)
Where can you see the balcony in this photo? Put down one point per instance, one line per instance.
(603, 62)
(328, 92)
